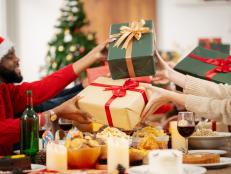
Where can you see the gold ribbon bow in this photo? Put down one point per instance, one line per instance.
(135, 29)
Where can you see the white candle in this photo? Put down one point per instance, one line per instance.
(118, 153)
(56, 157)
(178, 142)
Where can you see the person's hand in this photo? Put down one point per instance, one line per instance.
(161, 64)
(70, 110)
(161, 77)
(163, 69)
(157, 99)
(98, 53)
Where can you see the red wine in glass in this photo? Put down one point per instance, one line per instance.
(65, 126)
(185, 131)
(41, 131)
(186, 126)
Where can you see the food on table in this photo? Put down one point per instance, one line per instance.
(40, 157)
(201, 158)
(78, 143)
(150, 138)
(205, 132)
(15, 163)
(148, 143)
(103, 135)
(82, 152)
(83, 157)
(111, 132)
(149, 131)
(74, 133)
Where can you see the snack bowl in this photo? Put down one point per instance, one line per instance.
(220, 141)
(163, 142)
(150, 142)
(83, 158)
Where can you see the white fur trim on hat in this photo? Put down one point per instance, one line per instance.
(5, 46)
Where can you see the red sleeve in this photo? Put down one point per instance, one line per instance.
(43, 89)
(10, 129)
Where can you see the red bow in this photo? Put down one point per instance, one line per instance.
(222, 65)
(120, 91)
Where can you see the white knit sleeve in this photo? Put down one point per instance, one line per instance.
(216, 109)
(199, 87)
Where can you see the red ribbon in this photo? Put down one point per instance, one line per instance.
(208, 42)
(1, 39)
(120, 91)
(221, 65)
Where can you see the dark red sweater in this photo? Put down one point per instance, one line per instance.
(13, 100)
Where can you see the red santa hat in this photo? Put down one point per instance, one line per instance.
(5, 46)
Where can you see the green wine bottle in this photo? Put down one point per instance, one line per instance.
(29, 129)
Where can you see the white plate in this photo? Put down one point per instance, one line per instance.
(188, 169)
(219, 135)
(35, 167)
(219, 152)
(224, 161)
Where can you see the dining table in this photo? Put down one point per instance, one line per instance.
(225, 170)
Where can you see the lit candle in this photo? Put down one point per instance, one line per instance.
(178, 142)
(118, 153)
(56, 158)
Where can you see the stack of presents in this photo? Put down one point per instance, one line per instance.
(118, 100)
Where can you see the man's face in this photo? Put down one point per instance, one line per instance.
(9, 68)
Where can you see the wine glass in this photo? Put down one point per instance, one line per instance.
(65, 124)
(186, 126)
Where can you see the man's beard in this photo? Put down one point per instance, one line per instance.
(9, 76)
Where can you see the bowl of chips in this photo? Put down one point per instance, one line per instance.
(82, 153)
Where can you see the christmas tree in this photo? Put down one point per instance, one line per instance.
(69, 43)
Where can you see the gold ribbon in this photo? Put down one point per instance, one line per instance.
(127, 33)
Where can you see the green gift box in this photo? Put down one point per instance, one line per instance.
(137, 59)
(224, 48)
(207, 64)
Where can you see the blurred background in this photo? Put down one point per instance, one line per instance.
(30, 24)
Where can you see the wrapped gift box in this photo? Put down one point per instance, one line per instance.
(110, 107)
(136, 58)
(215, 44)
(207, 64)
(94, 73)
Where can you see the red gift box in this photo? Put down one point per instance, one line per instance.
(94, 73)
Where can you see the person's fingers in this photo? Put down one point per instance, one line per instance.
(147, 107)
(99, 47)
(157, 78)
(78, 116)
(156, 105)
(111, 40)
(160, 59)
(76, 100)
(146, 85)
(150, 111)
(108, 75)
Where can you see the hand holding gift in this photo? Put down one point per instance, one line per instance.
(70, 110)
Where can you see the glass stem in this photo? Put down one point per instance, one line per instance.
(186, 145)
